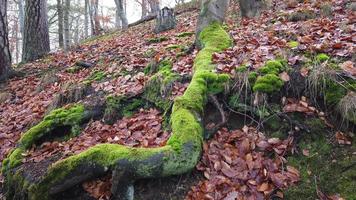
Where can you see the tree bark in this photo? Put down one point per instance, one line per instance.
(211, 11)
(144, 9)
(36, 37)
(154, 5)
(5, 56)
(251, 8)
(67, 35)
(121, 12)
(60, 23)
(86, 18)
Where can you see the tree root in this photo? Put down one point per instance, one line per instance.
(180, 155)
(214, 100)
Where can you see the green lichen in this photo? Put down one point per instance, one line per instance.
(293, 44)
(72, 117)
(185, 34)
(322, 57)
(268, 84)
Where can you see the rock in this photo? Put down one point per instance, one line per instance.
(165, 20)
(4, 96)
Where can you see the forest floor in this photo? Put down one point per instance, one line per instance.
(292, 146)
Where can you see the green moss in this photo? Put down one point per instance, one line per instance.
(334, 92)
(252, 77)
(272, 67)
(293, 44)
(157, 39)
(72, 117)
(185, 34)
(13, 160)
(133, 106)
(175, 46)
(150, 53)
(73, 69)
(96, 76)
(322, 57)
(241, 69)
(327, 167)
(268, 84)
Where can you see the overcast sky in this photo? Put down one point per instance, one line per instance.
(133, 9)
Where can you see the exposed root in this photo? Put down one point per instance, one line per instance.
(213, 99)
(180, 155)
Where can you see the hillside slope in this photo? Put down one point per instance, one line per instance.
(290, 105)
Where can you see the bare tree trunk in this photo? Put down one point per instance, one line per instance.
(96, 17)
(5, 56)
(121, 12)
(21, 15)
(144, 9)
(86, 19)
(251, 8)
(154, 5)
(66, 25)
(60, 23)
(36, 37)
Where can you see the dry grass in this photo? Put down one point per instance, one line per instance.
(347, 108)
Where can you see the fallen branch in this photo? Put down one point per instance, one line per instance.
(213, 99)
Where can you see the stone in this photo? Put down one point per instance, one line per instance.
(166, 20)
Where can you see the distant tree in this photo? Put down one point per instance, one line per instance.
(86, 18)
(66, 21)
(122, 14)
(60, 23)
(154, 5)
(36, 37)
(5, 56)
(251, 8)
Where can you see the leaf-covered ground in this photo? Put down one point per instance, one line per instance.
(241, 163)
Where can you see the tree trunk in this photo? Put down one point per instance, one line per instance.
(86, 18)
(21, 15)
(5, 56)
(67, 35)
(95, 8)
(144, 9)
(251, 8)
(36, 37)
(60, 23)
(165, 20)
(154, 5)
(211, 10)
(121, 12)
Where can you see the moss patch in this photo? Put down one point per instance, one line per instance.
(157, 39)
(293, 44)
(185, 34)
(327, 167)
(322, 57)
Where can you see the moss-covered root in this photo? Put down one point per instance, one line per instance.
(180, 155)
(60, 119)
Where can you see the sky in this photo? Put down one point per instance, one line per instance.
(133, 9)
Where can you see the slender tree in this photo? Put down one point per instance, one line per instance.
(60, 23)
(5, 56)
(66, 25)
(36, 37)
(121, 12)
(154, 5)
(86, 18)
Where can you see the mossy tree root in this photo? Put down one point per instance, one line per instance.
(180, 155)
